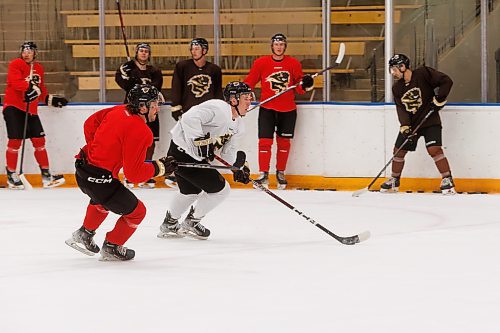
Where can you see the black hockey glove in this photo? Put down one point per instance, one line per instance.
(125, 69)
(57, 101)
(205, 147)
(242, 175)
(32, 93)
(165, 166)
(176, 112)
(437, 105)
(307, 82)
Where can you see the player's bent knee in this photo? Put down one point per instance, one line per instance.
(134, 218)
(14, 144)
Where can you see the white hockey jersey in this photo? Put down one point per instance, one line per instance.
(215, 117)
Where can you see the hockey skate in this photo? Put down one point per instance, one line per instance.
(50, 181)
(263, 179)
(169, 228)
(280, 178)
(192, 227)
(391, 185)
(114, 252)
(448, 186)
(171, 181)
(13, 181)
(83, 240)
(151, 183)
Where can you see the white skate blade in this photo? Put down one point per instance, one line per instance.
(281, 186)
(54, 183)
(146, 186)
(191, 234)
(171, 184)
(391, 190)
(169, 235)
(70, 242)
(450, 191)
(15, 187)
(111, 258)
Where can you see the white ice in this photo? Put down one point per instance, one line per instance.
(431, 265)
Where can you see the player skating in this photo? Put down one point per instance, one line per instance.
(210, 126)
(116, 138)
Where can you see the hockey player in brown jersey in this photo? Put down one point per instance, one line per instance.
(417, 92)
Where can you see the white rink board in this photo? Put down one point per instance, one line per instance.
(333, 140)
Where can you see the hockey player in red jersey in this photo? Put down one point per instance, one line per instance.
(416, 92)
(277, 72)
(139, 71)
(116, 138)
(26, 84)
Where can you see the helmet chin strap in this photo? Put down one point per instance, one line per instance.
(236, 108)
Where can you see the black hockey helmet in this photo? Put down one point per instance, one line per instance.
(279, 37)
(28, 45)
(199, 41)
(235, 89)
(142, 95)
(143, 45)
(398, 60)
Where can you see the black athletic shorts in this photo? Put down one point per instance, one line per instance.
(14, 120)
(103, 189)
(432, 135)
(270, 121)
(155, 128)
(195, 180)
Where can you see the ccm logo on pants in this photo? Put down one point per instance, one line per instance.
(100, 181)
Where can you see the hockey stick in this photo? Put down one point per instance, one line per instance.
(123, 28)
(25, 182)
(338, 60)
(351, 240)
(366, 189)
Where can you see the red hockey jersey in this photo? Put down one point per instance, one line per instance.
(276, 76)
(18, 82)
(115, 139)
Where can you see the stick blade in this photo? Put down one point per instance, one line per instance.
(357, 193)
(26, 183)
(340, 55)
(364, 236)
(352, 240)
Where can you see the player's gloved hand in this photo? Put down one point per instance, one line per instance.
(407, 133)
(32, 93)
(164, 166)
(56, 101)
(125, 70)
(242, 175)
(205, 147)
(307, 82)
(436, 104)
(176, 112)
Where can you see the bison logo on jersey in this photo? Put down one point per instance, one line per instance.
(145, 80)
(200, 84)
(279, 81)
(412, 100)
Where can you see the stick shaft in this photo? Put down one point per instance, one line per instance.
(123, 28)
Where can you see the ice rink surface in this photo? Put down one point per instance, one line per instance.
(431, 265)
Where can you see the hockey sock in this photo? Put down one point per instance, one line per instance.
(265, 145)
(181, 203)
(126, 225)
(12, 153)
(282, 153)
(40, 152)
(398, 162)
(208, 201)
(95, 215)
(442, 165)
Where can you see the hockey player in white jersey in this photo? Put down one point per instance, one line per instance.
(214, 126)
